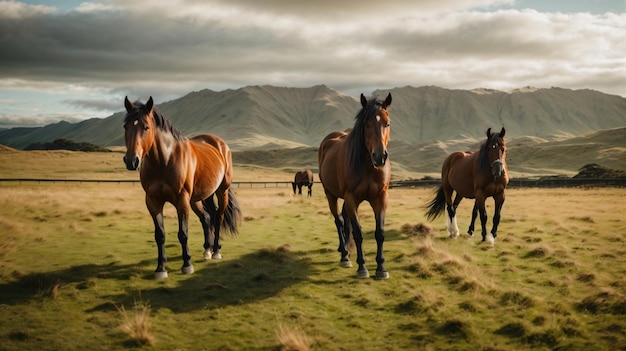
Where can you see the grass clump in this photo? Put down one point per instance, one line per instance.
(137, 325)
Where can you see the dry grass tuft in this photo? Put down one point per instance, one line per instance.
(138, 325)
(418, 230)
(292, 339)
(55, 290)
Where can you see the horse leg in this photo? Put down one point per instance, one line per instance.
(379, 234)
(499, 201)
(342, 223)
(351, 211)
(207, 228)
(342, 226)
(155, 208)
(482, 211)
(453, 228)
(470, 231)
(183, 226)
(222, 202)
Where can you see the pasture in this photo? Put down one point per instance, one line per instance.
(77, 262)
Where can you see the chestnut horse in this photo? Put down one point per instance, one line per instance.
(474, 175)
(303, 178)
(354, 166)
(184, 172)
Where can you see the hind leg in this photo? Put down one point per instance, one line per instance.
(222, 202)
(453, 228)
(343, 229)
(470, 231)
(207, 228)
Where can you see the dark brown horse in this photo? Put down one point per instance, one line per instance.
(184, 172)
(354, 166)
(474, 175)
(303, 178)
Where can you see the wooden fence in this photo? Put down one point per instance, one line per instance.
(547, 182)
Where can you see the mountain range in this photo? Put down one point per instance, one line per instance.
(422, 118)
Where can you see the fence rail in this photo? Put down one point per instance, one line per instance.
(514, 182)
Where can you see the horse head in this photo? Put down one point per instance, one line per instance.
(139, 131)
(376, 129)
(496, 152)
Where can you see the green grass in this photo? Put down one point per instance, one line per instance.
(77, 261)
(73, 257)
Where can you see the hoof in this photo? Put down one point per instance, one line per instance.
(345, 264)
(217, 256)
(362, 274)
(454, 235)
(187, 269)
(382, 275)
(207, 254)
(160, 275)
(490, 239)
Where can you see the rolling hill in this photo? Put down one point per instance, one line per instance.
(549, 131)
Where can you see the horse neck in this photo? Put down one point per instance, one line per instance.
(162, 148)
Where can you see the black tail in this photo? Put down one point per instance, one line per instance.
(232, 213)
(437, 206)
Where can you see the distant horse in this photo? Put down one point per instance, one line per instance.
(184, 172)
(303, 178)
(474, 175)
(354, 166)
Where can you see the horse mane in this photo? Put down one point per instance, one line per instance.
(483, 154)
(159, 120)
(357, 154)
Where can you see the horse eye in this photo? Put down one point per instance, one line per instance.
(493, 146)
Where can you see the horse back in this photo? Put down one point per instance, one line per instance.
(332, 151)
(214, 166)
(458, 172)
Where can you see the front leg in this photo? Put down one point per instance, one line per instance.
(183, 226)
(499, 201)
(379, 234)
(155, 207)
(482, 212)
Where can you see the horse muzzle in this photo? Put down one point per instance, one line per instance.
(497, 168)
(132, 163)
(379, 158)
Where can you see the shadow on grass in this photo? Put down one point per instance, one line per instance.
(252, 277)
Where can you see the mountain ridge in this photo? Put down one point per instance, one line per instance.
(265, 116)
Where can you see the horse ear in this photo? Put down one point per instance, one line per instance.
(363, 100)
(489, 133)
(149, 105)
(387, 101)
(128, 104)
(502, 132)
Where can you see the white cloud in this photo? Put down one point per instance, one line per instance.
(14, 10)
(114, 48)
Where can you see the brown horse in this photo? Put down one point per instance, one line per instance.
(354, 166)
(303, 178)
(184, 172)
(474, 175)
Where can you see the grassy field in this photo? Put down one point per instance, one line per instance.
(77, 261)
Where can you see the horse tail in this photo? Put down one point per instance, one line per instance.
(437, 206)
(293, 185)
(232, 212)
(232, 215)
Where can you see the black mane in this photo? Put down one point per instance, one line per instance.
(159, 120)
(358, 154)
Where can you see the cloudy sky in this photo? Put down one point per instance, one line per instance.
(71, 60)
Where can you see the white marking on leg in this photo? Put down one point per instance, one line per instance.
(453, 228)
(490, 239)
